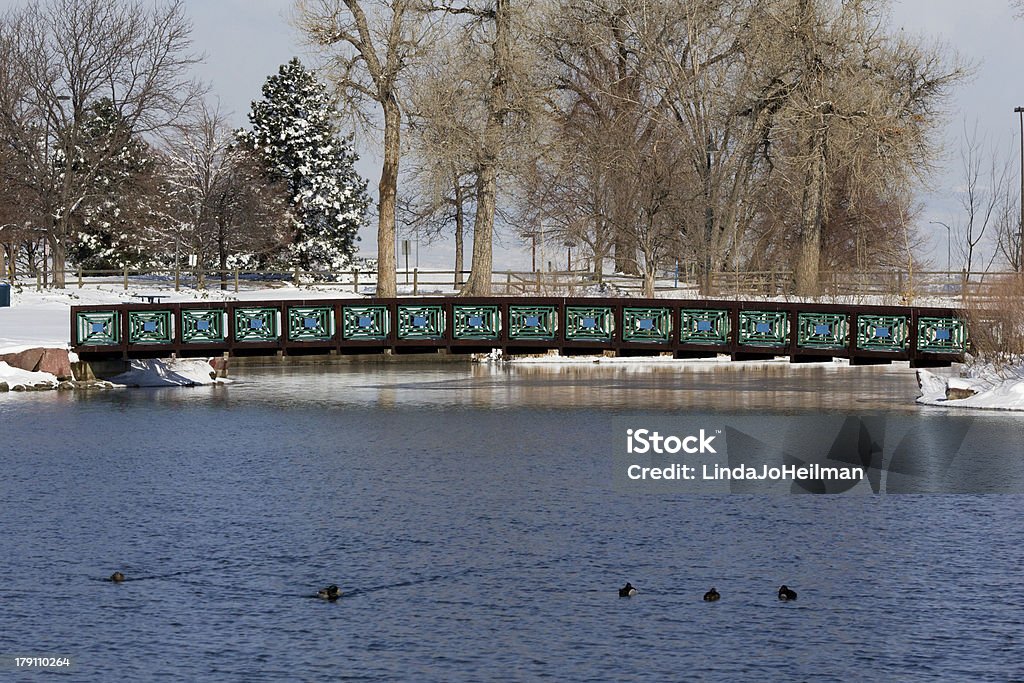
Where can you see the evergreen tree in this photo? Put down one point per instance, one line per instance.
(113, 220)
(295, 133)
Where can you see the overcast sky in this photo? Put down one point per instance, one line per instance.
(246, 40)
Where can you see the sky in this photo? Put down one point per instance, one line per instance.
(246, 40)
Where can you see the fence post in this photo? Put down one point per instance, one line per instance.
(236, 280)
(126, 279)
(177, 278)
(297, 282)
(415, 281)
(355, 280)
(39, 283)
(508, 283)
(963, 288)
(80, 283)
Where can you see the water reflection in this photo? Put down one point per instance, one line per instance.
(657, 386)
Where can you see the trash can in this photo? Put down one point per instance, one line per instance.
(5, 294)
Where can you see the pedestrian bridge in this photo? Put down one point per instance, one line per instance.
(746, 330)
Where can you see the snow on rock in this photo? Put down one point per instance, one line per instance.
(985, 387)
(167, 373)
(16, 379)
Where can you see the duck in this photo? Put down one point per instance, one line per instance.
(117, 577)
(712, 595)
(627, 591)
(786, 593)
(330, 593)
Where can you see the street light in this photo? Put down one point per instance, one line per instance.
(1020, 263)
(949, 239)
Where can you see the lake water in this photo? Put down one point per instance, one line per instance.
(470, 517)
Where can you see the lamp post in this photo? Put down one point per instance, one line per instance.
(949, 240)
(1020, 246)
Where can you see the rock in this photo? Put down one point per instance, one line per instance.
(55, 362)
(4, 387)
(24, 360)
(66, 385)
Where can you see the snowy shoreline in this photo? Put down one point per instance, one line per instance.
(983, 388)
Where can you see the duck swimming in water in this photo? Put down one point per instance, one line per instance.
(786, 593)
(627, 591)
(330, 593)
(117, 577)
(711, 595)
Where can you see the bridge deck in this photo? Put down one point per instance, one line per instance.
(685, 328)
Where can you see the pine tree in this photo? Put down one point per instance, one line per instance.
(113, 222)
(295, 132)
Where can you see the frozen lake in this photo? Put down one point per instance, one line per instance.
(470, 517)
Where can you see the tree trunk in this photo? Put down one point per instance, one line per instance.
(59, 256)
(460, 219)
(808, 265)
(387, 277)
(479, 283)
(222, 251)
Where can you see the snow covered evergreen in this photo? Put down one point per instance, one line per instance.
(294, 130)
(112, 217)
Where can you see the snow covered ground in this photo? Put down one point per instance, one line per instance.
(982, 387)
(16, 378)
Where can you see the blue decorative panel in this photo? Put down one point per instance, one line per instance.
(421, 322)
(532, 322)
(647, 325)
(257, 324)
(311, 323)
(764, 328)
(823, 330)
(365, 322)
(941, 335)
(697, 326)
(591, 323)
(150, 327)
(99, 328)
(882, 332)
(476, 322)
(203, 326)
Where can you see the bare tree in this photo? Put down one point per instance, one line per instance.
(860, 103)
(218, 203)
(373, 43)
(496, 66)
(445, 115)
(983, 196)
(72, 53)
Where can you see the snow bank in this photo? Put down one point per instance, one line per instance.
(167, 373)
(985, 387)
(16, 379)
